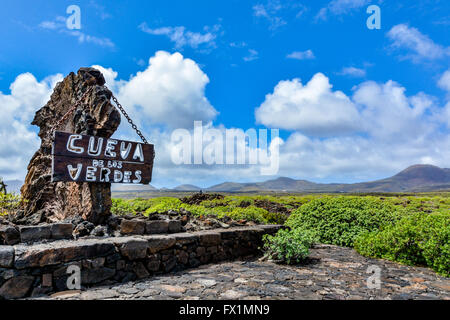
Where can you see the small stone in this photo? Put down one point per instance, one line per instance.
(47, 280)
(183, 257)
(232, 294)
(240, 280)
(66, 294)
(91, 276)
(158, 243)
(99, 231)
(169, 264)
(9, 234)
(17, 287)
(61, 230)
(134, 249)
(98, 262)
(120, 265)
(153, 266)
(83, 229)
(132, 227)
(6, 256)
(175, 226)
(156, 226)
(147, 293)
(170, 288)
(99, 294)
(207, 282)
(140, 271)
(210, 238)
(128, 290)
(35, 233)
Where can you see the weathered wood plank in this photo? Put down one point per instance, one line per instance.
(91, 147)
(81, 158)
(94, 170)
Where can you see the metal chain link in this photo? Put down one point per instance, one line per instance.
(139, 133)
(119, 106)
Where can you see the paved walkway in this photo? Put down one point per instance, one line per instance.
(333, 273)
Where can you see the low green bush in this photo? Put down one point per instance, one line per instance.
(9, 203)
(339, 220)
(289, 246)
(417, 239)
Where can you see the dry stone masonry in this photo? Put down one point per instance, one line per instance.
(33, 269)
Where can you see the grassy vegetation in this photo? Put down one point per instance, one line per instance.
(8, 203)
(408, 228)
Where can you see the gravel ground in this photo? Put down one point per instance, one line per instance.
(332, 273)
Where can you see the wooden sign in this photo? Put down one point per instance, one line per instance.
(82, 158)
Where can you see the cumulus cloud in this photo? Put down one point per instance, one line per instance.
(393, 130)
(340, 7)
(312, 108)
(182, 37)
(18, 141)
(301, 55)
(418, 45)
(352, 72)
(444, 81)
(170, 91)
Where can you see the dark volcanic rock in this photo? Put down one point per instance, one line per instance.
(94, 116)
(9, 234)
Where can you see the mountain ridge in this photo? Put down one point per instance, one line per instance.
(415, 178)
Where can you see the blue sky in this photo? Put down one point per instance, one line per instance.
(245, 48)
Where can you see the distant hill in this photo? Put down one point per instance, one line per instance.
(414, 178)
(186, 187)
(132, 187)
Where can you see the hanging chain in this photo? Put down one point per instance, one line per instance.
(71, 110)
(119, 106)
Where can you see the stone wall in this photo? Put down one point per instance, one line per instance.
(41, 268)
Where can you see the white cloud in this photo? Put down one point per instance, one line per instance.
(392, 130)
(252, 55)
(353, 72)
(340, 7)
(171, 92)
(182, 37)
(277, 12)
(444, 81)
(420, 46)
(369, 133)
(59, 25)
(301, 55)
(18, 141)
(312, 108)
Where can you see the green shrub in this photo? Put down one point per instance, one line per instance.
(9, 203)
(289, 246)
(417, 239)
(162, 204)
(121, 207)
(339, 220)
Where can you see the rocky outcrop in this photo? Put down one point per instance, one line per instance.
(46, 201)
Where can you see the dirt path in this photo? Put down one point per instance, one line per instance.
(333, 273)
